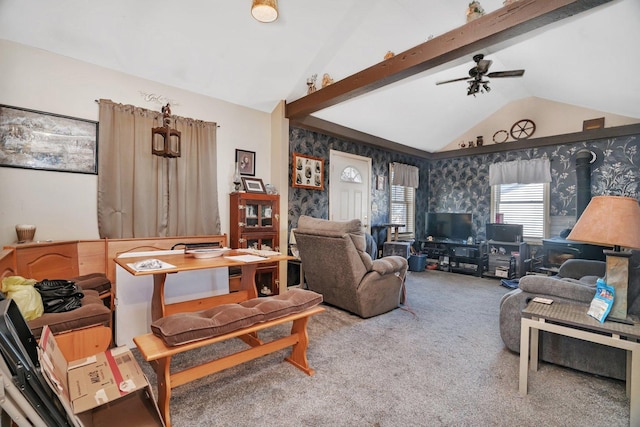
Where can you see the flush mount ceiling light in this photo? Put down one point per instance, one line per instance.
(265, 10)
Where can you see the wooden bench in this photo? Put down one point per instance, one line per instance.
(154, 350)
(71, 258)
(88, 339)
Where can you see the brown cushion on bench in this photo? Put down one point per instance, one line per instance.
(182, 328)
(95, 281)
(91, 312)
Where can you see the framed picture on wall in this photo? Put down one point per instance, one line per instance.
(37, 140)
(246, 161)
(308, 172)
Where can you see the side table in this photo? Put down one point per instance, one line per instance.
(392, 231)
(572, 320)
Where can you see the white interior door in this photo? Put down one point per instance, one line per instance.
(349, 187)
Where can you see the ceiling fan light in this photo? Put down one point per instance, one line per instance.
(265, 10)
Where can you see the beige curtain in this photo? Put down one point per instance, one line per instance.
(142, 195)
(405, 175)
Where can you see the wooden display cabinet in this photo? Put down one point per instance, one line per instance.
(254, 219)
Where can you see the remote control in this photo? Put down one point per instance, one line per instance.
(543, 300)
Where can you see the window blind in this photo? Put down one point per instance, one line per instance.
(402, 210)
(524, 204)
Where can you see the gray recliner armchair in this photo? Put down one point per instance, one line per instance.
(576, 284)
(337, 266)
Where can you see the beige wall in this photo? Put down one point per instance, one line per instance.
(63, 205)
(551, 118)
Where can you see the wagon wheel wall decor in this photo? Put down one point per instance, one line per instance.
(523, 129)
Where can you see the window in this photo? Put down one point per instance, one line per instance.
(526, 204)
(402, 210)
(351, 174)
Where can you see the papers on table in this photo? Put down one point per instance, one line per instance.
(259, 252)
(246, 258)
(151, 265)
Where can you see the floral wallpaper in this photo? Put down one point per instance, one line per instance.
(316, 203)
(461, 184)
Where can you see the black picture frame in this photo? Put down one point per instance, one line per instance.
(246, 161)
(253, 185)
(31, 139)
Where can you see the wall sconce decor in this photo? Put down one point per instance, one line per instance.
(165, 142)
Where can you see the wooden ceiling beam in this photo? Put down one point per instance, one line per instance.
(499, 26)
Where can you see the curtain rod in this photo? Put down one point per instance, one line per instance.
(98, 102)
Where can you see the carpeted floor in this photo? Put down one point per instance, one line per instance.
(442, 365)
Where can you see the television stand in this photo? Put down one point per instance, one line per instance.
(456, 256)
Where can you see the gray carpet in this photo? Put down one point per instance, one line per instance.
(445, 365)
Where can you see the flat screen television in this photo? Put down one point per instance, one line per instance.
(449, 226)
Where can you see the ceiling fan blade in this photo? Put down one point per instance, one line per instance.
(451, 81)
(483, 65)
(512, 73)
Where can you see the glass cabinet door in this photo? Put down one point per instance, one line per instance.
(264, 242)
(251, 215)
(258, 215)
(266, 215)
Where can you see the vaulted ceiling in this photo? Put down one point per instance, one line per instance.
(215, 48)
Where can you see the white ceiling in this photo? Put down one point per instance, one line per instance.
(215, 48)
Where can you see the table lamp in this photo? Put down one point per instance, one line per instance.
(612, 221)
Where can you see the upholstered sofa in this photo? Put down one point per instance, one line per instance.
(574, 283)
(337, 266)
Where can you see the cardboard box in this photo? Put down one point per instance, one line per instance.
(502, 272)
(105, 389)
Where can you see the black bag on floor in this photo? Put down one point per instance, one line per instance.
(59, 296)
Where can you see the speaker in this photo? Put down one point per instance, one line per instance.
(464, 251)
(396, 248)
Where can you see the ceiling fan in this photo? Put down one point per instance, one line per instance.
(477, 73)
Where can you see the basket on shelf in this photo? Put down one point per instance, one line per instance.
(25, 232)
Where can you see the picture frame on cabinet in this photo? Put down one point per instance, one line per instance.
(246, 161)
(253, 185)
(308, 172)
(31, 139)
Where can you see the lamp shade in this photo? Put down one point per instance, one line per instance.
(609, 221)
(265, 10)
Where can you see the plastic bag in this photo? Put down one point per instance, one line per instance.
(602, 301)
(26, 296)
